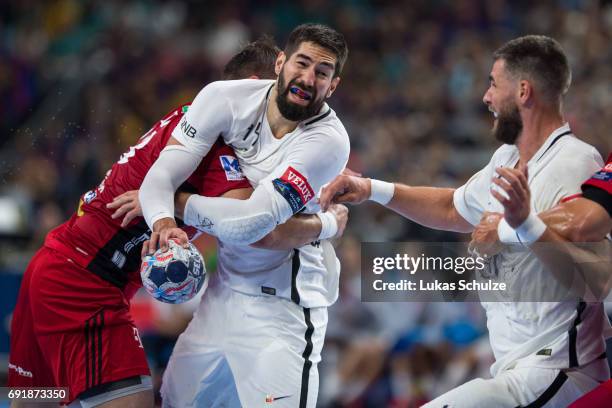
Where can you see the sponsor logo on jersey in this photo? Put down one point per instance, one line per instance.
(232, 169)
(295, 188)
(187, 129)
(603, 175)
(270, 398)
(134, 242)
(20, 371)
(89, 196)
(118, 259)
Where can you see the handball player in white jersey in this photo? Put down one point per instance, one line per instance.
(258, 333)
(547, 353)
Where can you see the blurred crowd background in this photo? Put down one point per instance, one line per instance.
(80, 81)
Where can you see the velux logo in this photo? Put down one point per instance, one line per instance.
(300, 183)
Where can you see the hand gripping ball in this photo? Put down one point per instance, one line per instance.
(173, 276)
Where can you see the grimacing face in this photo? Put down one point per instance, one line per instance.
(500, 99)
(305, 80)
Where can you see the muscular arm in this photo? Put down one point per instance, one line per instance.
(298, 231)
(576, 266)
(578, 220)
(429, 206)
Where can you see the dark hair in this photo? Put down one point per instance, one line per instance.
(540, 59)
(323, 36)
(256, 58)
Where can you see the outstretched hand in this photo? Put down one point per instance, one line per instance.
(345, 189)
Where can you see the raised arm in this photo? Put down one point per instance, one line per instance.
(429, 206)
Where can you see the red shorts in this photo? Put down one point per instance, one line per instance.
(71, 328)
(600, 397)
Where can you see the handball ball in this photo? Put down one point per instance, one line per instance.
(173, 276)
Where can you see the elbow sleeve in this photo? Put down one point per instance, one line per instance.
(234, 221)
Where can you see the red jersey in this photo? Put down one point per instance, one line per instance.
(602, 179)
(599, 187)
(95, 241)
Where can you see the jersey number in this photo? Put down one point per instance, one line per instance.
(144, 140)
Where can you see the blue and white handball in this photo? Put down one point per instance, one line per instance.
(173, 276)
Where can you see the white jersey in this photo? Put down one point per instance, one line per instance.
(291, 169)
(537, 334)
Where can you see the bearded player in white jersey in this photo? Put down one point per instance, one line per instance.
(547, 353)
(258, 333)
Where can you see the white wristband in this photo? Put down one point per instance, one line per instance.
(382, 192)
(506, 233)
(531, 229)
(329, 225)
(527, 233)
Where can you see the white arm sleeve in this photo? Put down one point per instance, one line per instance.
(209, 116)
(235, 221)
(156, 194)
(312, 162)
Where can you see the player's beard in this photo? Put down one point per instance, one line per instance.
(509, 125)
(290, 110)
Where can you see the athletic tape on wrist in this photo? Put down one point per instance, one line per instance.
(381, 192)
(329, 225)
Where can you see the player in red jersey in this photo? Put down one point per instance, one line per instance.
(71, 326)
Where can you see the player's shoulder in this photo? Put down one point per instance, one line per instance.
(504, 154)
(569, 161)
(571, 147)
(327, 125)
(241, 89)
(570, 158)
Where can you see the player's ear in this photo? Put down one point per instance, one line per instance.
(333, 86)
(525, 91)
(280, 60)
